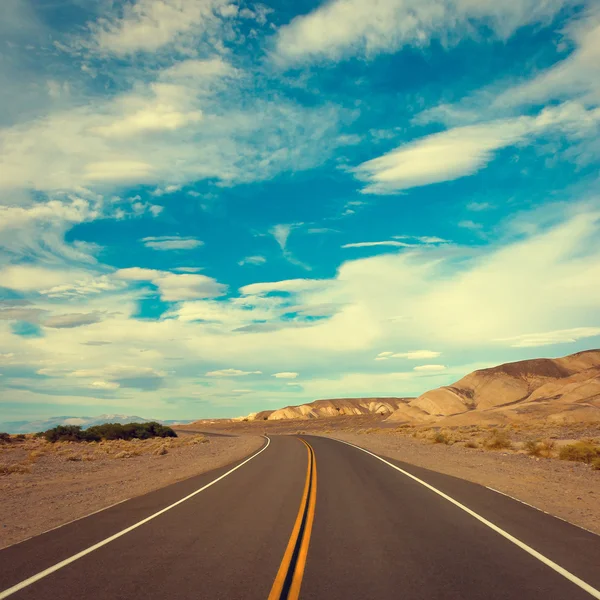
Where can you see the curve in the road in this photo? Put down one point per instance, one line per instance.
(27, 582)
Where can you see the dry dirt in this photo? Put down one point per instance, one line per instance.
(65, 481)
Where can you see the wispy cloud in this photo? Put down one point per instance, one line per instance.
(285, 375)
(171, 242)
(462, 151)
(342, 28)
(252, 260)
(392, 243)
(231, 373)
(173, 286)
(562, 336)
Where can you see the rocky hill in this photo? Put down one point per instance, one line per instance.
(558, 390)
(332, 408)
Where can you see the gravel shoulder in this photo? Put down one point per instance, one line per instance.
(59, 489)
(567, 490)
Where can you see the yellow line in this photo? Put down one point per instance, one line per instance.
(310, 517)
(289, 551)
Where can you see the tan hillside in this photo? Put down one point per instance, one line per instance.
(557, 390)
(332, 408)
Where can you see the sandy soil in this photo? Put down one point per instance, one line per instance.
(565, 489)
(69, 481)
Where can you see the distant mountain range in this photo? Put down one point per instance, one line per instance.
(84, 422)
(556, 391)
(330, 408)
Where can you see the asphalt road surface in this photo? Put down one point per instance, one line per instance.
(310, 518)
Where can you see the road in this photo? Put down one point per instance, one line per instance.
(310, 518)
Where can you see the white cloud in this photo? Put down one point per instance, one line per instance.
(478, 206)
(281, 234)
(168, 189)
(430, 368)
(416, 354)
(285, 375)
(152, 119)
(36, 230)
(384, 243)
(288, 285)
(171, 242)
(578, 75)
(105, 385)
(231, 373)
(462, 151)
(252, 260)
(30, 278)
(148, 25)
(548, 338)
(340, 28)
(174, 286)
(167, 131)
(70, 320)
(438, 157)
(468, 224)
(108, 372)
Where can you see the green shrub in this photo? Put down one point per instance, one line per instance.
(586, 452)
(65, 433)
(108, 431)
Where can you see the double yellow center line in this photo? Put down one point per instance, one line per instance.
(289, 576)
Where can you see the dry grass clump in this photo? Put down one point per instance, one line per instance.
(498, 440)
(585, 451)
(441, 437)
(540, 448)
(19, 468)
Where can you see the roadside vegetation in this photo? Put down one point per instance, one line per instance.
(107, 431)
(22, 454)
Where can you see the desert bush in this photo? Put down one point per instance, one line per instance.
(4, 437)
(161, 451)
(498, 440)
(596, 464)
(440, 438)
(583, 451)
(538, 448)
(108, 431)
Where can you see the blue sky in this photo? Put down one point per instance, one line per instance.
(209, 208)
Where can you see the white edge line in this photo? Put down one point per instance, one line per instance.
(539, 509)
(27, 582)
(65, 524)
(556, 567)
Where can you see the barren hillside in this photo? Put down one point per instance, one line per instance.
(332, 408)
(557, 390)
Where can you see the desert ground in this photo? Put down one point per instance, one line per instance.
(44, 485)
